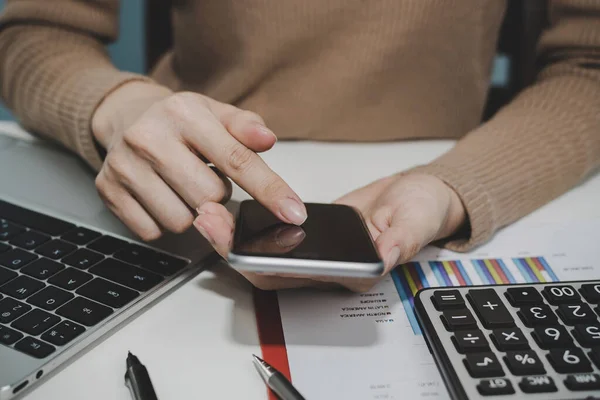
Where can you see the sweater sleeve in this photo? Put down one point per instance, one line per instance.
(54, 67)
(542, 143)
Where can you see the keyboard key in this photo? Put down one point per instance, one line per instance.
(561, 294)
(16, 258)
(595, 356)
(4, 247)
(70, 278)
(540, 314)
(107, 293)
(6, 275)
(63, 333)
(524, 362)
(42, 268)
(35, 322)
(29, 240)
(83, 258)
(490, 308)
(9, 336)
(80, 236)
(21, 287)
(34, 347)
(134, 254)
(578, 382)
(445, 299)
(84, 311)
(473, 341)
(483, 365)
(40, 222)
(523, 296)
(494, 387)
(107, 245)
(588, 335)
(591, 292)
(11, 309)
(507, 339)
(128, 275)
(56, 249)
(552, 337)
(50, 298)
(9, 230)
(458, 319)
(569, 360)
(165, 265)
(580, 313)
(538, 384)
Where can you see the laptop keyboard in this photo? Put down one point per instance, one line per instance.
(57, 279)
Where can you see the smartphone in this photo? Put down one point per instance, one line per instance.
(334, 241)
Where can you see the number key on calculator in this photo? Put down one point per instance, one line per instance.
(520, 341)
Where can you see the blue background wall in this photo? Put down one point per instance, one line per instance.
(128, 52)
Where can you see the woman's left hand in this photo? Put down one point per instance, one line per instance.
(403, 212)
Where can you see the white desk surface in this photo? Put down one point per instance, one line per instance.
(197, 342)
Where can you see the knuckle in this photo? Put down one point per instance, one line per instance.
(141, 141)
(273, 187)
(119, 166)
(240, 158)
(179, 104)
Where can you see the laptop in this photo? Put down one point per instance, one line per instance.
(70, 272)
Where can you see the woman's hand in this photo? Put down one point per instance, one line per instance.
(404, 213)
(158, 145)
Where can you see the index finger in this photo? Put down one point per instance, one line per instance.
(208, 136)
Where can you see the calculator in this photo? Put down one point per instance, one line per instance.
(517, 341)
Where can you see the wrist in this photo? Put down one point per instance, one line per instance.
(456, 216)
(121, 107)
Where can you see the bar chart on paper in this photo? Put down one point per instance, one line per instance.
(409, 278)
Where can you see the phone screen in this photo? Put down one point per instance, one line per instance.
(331, 232)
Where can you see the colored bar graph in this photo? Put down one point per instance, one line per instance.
(411, 277)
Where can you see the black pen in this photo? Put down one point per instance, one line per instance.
(137, 380)
(276, 381)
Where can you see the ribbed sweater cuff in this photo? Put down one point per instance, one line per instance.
(475, 199)
(95, 85)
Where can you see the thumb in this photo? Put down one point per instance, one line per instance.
(246, 126)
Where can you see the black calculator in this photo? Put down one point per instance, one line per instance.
(523, 341)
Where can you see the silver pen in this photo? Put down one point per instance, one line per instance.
(275, 380)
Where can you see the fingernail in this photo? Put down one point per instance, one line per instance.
(290, 236)
(393, 256)
(265, 131)
(293, 211)
(202, 230)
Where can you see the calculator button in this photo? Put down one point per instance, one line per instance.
(569, 360)
(583, 382)
(588, 335)
(561, 294)
(572, 314)
(540, 314)
(63, 333)
(537, 384)
(445, 299)
(523, 296)
(9, 336)
(16, 258)
(509, 339)
(591, 292)
(490, 308)
(524, 362)
(552, 337)
(458, 319)
(472, 341)
(494, 387)
(11, 309)
(483, 365)
(34, 347)
(42, 268)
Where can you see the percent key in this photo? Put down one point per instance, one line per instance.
(524, 363)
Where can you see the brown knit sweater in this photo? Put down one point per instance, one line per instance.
(339, 70)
